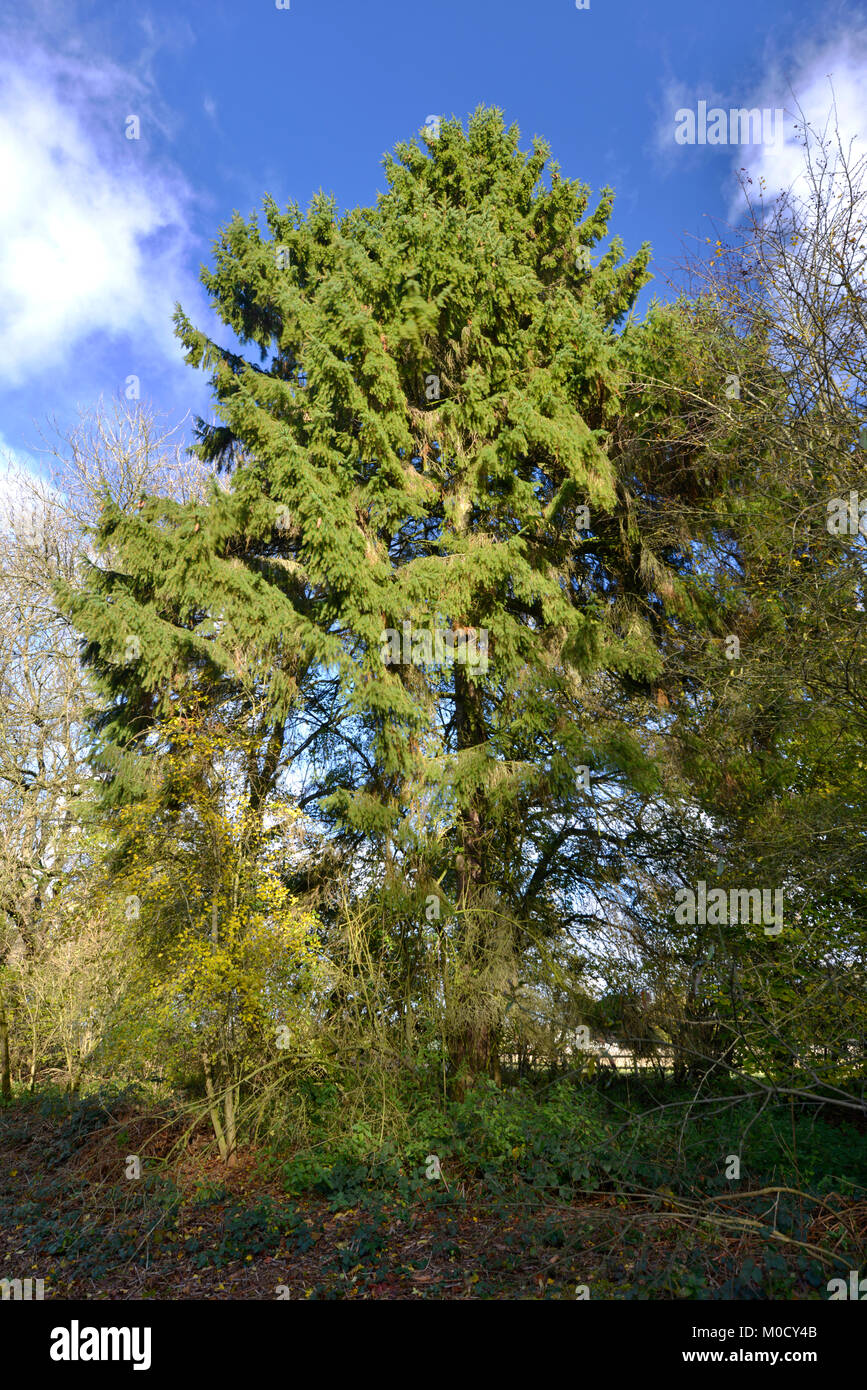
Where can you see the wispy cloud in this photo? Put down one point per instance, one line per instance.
(826, 86)
(822, 83)
(94, 227)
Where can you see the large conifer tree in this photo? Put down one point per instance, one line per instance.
(430, 406)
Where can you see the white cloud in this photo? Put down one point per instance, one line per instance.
(819, 82)
(93, 230)
(826, 86)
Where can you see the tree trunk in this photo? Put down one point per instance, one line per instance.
(213, 1109)
(471, 1046)
(229, 1110)
(470, 1051)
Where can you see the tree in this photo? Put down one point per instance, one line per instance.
(434, 445)
(229, 958)
(46, 783)
(42, 738)
(768, 744)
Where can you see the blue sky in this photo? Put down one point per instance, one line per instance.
(100, 234)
